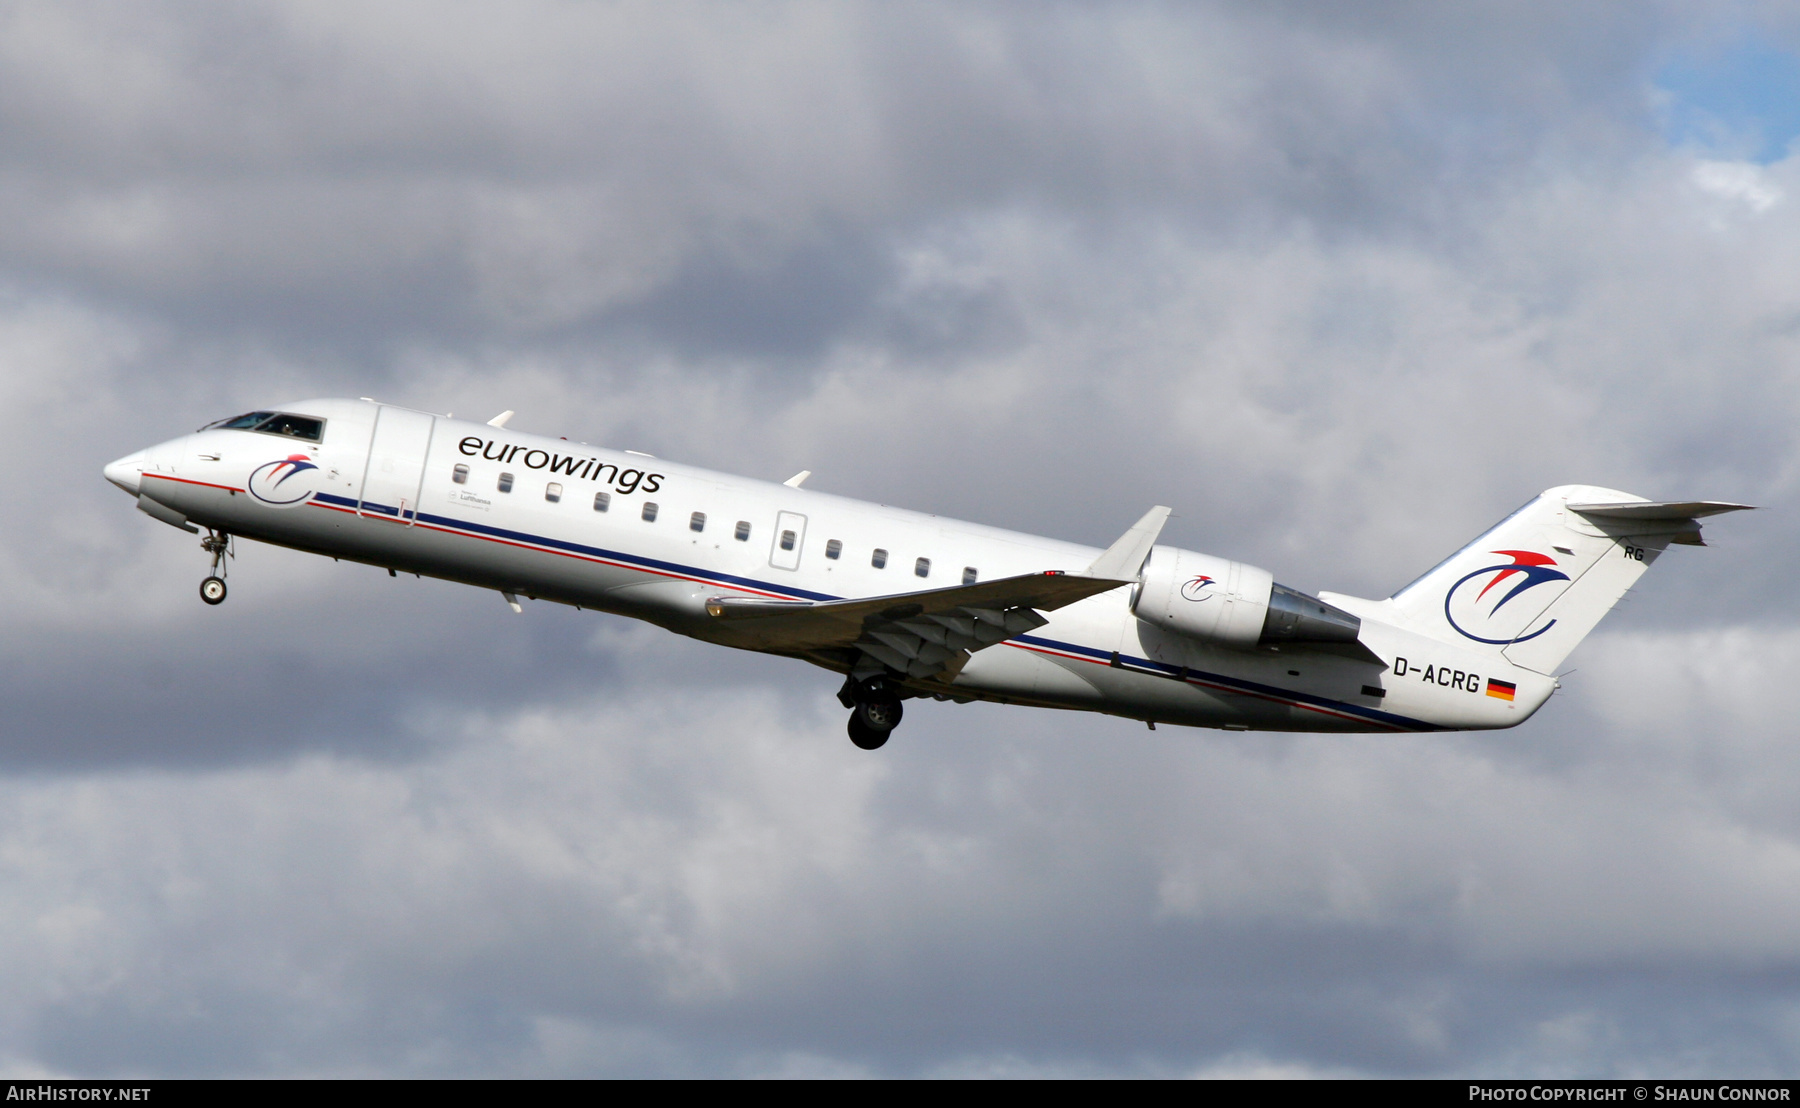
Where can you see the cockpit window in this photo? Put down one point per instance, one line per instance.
(239, 423)
(294, 427)
(273, 423)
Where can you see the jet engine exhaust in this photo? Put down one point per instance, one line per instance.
(1296, 617)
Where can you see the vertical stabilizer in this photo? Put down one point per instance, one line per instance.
(1535, 584)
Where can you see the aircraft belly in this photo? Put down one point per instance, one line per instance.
(668, 602)
(1034, 676)
(1024, 675)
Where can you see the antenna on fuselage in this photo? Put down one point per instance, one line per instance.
(500, 420)
(798, 479)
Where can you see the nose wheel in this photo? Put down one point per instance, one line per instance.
(218, 544)
(875, 710)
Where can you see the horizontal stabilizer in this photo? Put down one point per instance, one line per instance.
(1124, 559)
(1669, 510)
(1677, 520)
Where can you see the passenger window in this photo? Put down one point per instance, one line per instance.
(787, 540)
(505, 482)
(743, 530)
(697, 521)
(833, 549)
(553, 493)
(879, 558)
(460, 475)
(602, 501)
(649, 511)
(922, 568)
(969, 575)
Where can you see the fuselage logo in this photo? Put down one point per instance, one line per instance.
(286, 483)
(1465, 606)
(586, 467)
(1198, 589)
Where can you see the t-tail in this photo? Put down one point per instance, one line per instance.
(1532, 587)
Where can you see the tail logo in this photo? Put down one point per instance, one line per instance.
(1197, 589)
(1530, 568)
(286, 483)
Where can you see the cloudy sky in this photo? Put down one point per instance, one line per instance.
(1342, 283)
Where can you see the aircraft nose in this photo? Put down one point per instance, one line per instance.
(126, 472)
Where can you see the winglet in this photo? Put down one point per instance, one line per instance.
(798, 479)
(1125, 559)
(500, 420)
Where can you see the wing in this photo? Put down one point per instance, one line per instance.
(920, 634)
(930, 634)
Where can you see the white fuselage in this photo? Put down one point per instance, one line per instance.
(431, 495)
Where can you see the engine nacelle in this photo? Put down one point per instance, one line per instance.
(1232, 604)
(1204, 597)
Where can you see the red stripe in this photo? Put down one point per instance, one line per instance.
(185, 481)
(1221, 688)
(564, 553)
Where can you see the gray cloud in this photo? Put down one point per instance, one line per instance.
(1342, 285)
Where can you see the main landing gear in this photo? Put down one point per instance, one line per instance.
(218, 544)
(875, 711)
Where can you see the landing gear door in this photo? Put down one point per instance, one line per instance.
(396, 468)
(790, 533)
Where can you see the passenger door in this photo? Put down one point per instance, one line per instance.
(396, 469)
(790, 533)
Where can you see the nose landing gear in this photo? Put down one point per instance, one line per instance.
(875, 710)
(218, 544)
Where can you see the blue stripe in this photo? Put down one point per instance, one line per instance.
(1142, 664)
(1162, 669)
(590, 551)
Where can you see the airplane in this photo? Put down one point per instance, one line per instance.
(906, 605)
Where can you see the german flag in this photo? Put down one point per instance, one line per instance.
(1501, 689)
